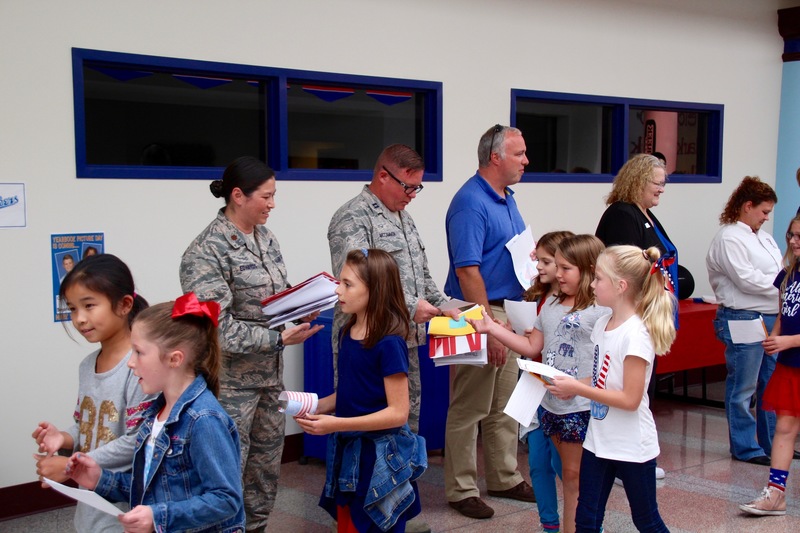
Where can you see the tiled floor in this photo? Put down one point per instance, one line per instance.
(701, 492)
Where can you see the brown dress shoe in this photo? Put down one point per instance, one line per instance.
(522, 492)
(472, 507)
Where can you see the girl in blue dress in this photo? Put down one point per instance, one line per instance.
(373, 457)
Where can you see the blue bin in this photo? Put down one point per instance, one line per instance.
(318, 376)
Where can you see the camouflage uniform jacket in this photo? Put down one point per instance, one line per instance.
(364, 222)
(221, 264)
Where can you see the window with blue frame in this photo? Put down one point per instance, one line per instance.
(153, 117)
(586, 138)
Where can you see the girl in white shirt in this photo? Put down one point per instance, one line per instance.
(621, 440)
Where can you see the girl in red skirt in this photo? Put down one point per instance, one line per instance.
(783, 390)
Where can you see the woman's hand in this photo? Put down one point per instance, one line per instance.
(138, 520)
(564, 388)
(317, 424)
(84, 470)
(298, 334)
(48, 437)
(310, 318)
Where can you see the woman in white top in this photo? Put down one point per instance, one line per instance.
(742, 263)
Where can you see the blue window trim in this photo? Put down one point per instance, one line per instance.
(619, 151)
(276, 128)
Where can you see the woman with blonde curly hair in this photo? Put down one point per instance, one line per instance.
(742, 263)
(636, 190)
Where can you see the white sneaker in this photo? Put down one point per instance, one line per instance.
(771, 502)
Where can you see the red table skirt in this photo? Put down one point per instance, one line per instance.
(696, 346)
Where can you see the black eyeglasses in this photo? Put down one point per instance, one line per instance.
(497, 129)
(790, 236)
(408, 189)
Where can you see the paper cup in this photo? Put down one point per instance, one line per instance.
(295, 403)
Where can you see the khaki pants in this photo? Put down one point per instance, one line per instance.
(479, 396)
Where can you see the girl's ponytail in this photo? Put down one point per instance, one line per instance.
(657, 305)
(643, 270)
(208, 365)
(139, 305)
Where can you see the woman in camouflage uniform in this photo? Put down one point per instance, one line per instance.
(236, 261)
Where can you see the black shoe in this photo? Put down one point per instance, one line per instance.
(473, 507)
(762, 460)
(522, 492)
(796, 455)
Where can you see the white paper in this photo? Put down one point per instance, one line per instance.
(318, 288)
(12, 205)
(455, 303)
(521, 247)
(522, 315)
(525, 399)
(546, 371)
(747, 331)
(300, 312)
(85, 496)
(530, 390)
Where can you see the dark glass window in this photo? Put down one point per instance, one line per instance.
(562, 137)
(334, 127)
(586, 138)
(141, 117)
(154, 117)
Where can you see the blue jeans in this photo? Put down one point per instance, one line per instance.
(545, 464)
(597, 480)
(749, 370)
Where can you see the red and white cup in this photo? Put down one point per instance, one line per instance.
(298, 403)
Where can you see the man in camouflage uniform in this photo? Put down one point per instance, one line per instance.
(238, 270)
(376, 218)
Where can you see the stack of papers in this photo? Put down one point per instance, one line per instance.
(317, 293)
(455, 342)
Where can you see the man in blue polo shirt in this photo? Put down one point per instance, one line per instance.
(482, 218)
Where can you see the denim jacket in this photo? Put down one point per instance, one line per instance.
(400, 459)
(195, 481)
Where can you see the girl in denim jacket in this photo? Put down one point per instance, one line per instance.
(186, 473)
(373, 456)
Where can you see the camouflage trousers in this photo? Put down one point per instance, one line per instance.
(261, 431)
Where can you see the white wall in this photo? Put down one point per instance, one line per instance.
(719, 51)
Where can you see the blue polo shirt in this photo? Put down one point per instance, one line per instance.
(479, 223)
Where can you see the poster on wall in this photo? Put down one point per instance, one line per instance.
(12, 205)
(66, 250)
